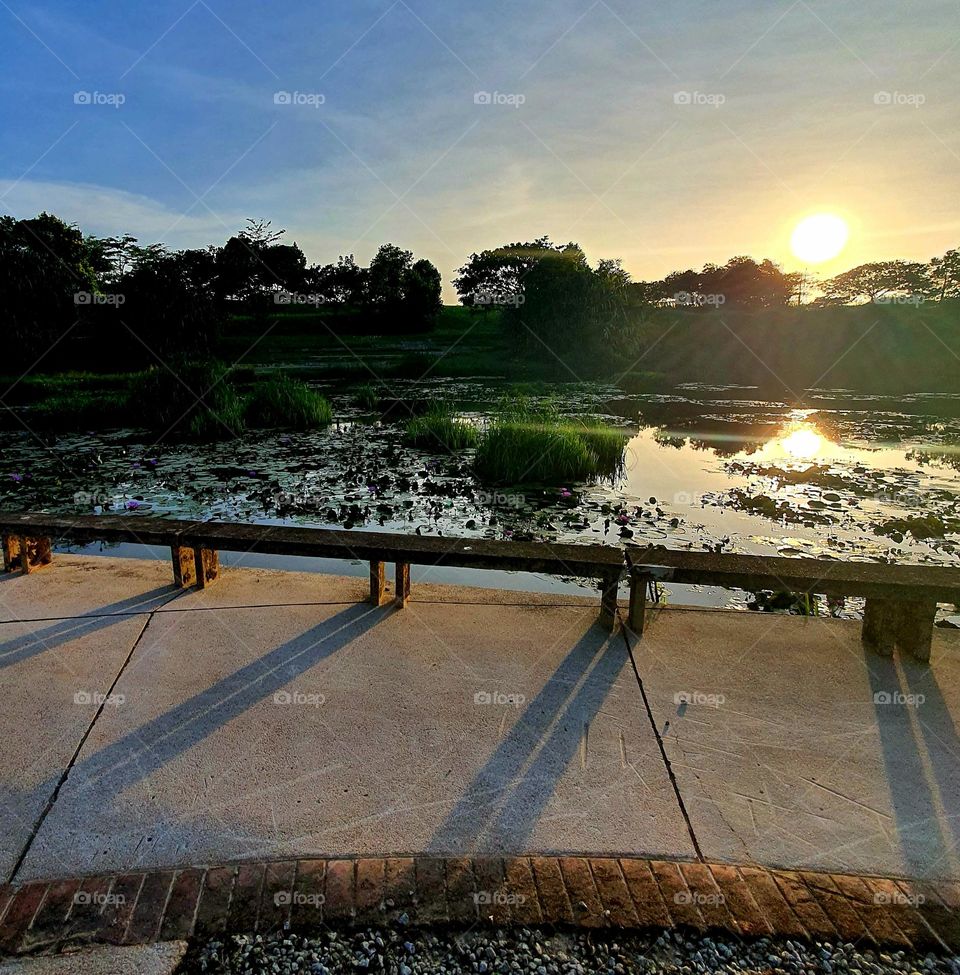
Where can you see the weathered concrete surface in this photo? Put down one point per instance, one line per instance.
(156, 959)
(804, 749)
(51, 673)
(75, 586)
(343, 728)
(327, 727)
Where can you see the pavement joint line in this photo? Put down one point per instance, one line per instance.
(625, 633)
(48, 807)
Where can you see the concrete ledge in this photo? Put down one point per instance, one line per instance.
(627, 893)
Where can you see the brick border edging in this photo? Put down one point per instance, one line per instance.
(590, 892)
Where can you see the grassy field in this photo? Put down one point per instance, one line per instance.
(869, 348)
(463, 343)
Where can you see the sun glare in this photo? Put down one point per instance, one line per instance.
(802, 444)
(819, 238)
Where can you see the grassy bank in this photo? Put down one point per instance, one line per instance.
(882, 348)
(201, 401)
(867, 348)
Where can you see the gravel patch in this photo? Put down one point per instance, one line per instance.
(402, 951)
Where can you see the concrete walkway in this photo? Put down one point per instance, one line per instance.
(276, 716)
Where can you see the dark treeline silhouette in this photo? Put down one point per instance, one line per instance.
(77, 300)
(551, 296)
(80, 300)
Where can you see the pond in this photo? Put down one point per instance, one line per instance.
(842, 476)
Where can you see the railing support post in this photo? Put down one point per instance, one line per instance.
(377, 580)
(608, 600)
(402, 576)
(914, 626)
(33, 553)
(206, 562)
(878, 632)
(184, 566)
(638, 602)
(11, 553)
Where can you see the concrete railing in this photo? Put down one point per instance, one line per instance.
(901, 600)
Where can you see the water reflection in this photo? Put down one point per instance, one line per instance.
(716, 470)
(802, 443)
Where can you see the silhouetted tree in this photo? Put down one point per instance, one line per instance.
(944, 273)
(46, 278)
(495, 277)
(878, 279)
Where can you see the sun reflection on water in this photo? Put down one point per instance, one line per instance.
(802, 443)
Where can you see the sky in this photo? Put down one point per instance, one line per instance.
(664, 134)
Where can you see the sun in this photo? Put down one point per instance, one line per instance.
(819, 237)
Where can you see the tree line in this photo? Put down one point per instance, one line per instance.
(113, 301)
(550, 292)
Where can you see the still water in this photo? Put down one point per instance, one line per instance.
(839, 476)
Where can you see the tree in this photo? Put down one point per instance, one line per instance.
(877, 280)
(342, 283)
(495, 277)
(252, 263)
(404, 295)
(46, 278)
(944, 273)
(170, 304)
(387, 274)
(282, 267)
(567, 305)
(422, 292)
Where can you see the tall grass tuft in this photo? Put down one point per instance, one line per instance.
(537, 446)
(366, 396)
(440, 429)
(196, 401)
(286, 402)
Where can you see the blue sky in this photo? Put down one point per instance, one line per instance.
(665, 134)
